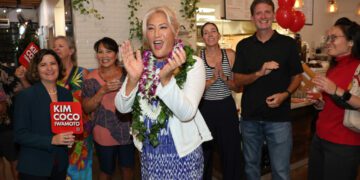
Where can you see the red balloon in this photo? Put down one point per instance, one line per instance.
(299, 21)
(285, 17)
(286, 3)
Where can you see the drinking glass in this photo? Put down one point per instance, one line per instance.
(313, 93)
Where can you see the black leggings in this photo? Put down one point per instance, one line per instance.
(223, 122)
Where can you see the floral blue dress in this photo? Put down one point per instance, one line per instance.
(163, 161)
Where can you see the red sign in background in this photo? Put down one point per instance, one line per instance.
(28, 54)
(66, 117)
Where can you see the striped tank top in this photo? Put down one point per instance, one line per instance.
(219, 89)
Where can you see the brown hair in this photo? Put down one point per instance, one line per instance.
(256, 2)
(203, 26)
(351, 31)
(33, 73)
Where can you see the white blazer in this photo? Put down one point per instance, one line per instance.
(187, 126)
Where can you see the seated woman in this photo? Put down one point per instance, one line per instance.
(111, 130)
(43, 155)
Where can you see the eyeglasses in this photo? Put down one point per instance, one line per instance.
(332, 38)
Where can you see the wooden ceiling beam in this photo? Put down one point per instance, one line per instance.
(21, 4)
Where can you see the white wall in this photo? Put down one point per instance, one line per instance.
(323, 20)
(46, 13)
(114, 25)
(59, 18)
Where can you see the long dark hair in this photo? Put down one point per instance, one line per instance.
(109, 44)
(207, 23)
(351, 31)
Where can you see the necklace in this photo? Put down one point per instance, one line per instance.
(147, 104)
(52, 92)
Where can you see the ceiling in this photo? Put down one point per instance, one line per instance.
(20, 3)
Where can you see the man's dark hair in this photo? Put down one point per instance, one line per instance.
(256, 2)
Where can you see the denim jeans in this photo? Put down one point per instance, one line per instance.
(278, 136)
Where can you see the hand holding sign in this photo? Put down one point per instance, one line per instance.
(66, 138)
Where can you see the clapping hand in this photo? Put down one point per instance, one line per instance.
(178, 58)
(133, 64)
(112, 85)
(268, 67)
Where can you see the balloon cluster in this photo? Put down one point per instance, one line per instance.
(287, 17)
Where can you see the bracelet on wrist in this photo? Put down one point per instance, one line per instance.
(289, 93)
(346, 96)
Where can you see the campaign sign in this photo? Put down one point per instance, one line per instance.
(28, 54)
(65, 117)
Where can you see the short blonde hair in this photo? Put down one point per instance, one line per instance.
(170, 16)
(71, 43)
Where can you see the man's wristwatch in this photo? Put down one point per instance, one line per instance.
(288, 92)
(346, 96)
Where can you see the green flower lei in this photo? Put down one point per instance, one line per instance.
(138, 127)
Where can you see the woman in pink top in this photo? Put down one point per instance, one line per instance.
(111, 130)
(335, 149)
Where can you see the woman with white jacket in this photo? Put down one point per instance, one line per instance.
(163, 89)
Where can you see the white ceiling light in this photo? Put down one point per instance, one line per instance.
(206, 10)
(201, 17)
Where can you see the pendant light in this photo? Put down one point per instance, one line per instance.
(299, 4)
(332, 6)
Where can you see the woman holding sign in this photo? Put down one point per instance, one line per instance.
(43, 155)
(80, 166)
(111, 130)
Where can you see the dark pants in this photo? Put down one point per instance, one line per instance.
(329, 161)
(54, 176)
(222, 120)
